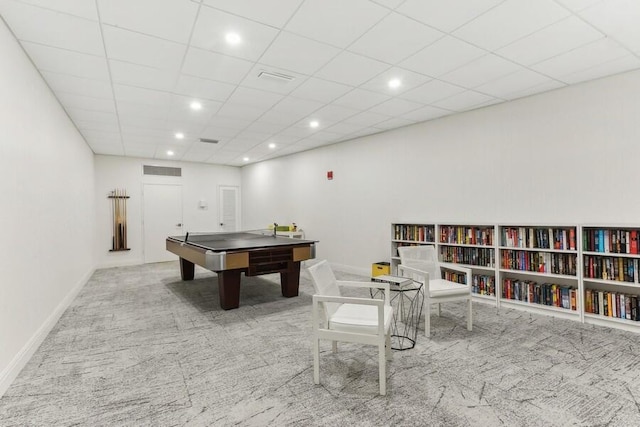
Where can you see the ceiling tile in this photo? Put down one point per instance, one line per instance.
(197, 87)
(618, 18)
(577, 5)
(108, 150)
(141, 96)
(320, 90)
(102, 127)
(346, 20)
(443, 56)
(506, 86)
(80, 8)
(367, 119)
(215, 66)
(78, 85)
(393, 123)
(432, 91)
(408, 80)
(70, 100)
(132, 109)
(142, 76)
(481, 71)
(66, 61)
(344, 128)
(351, 69)
(463, 101)
(168, 19)
(446, 18)
(425, 113)
(237, 111)
(109, 118)
(396, 107)
(395, 38)
(272, 13)
(50, 28)
(310, 55)
(618, 65)
(561, 37)
(539, 88)
(580, 59)
(511, 21)
(128, 46)
(361, 99)
(334, 114)
(213, 25)
(254, 98)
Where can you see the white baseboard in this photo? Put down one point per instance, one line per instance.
(9, 374)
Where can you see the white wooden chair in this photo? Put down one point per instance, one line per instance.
(421, 264)
(349, 319)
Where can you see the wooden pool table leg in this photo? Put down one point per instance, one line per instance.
(229, 288)
(290, 280)
(186, 269)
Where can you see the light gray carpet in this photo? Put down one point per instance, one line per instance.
(140, 347)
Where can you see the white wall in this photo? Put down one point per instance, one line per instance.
(47, 209)
(567, 156)
(199, 181)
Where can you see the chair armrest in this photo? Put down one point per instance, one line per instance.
(367, 285)
(455, 267)
(348, 300)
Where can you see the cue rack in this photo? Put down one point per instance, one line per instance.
(119, 216)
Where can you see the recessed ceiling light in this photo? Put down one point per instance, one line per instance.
(179, 135)
(195, 105)
(246, 159)
(169, 153)
(272, 145)
(394, 83)
(233, 38)
(314, 124)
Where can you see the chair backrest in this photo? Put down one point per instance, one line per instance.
(325, 283)
(422, 257)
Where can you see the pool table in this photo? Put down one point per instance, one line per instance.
(251, 253)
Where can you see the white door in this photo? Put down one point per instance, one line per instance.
(229, 213)
(162, 217)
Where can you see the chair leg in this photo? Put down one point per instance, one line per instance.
(388, 346)
(469, 316)
(427, 319)
(382, 368)
(316, 360)
(439, 312)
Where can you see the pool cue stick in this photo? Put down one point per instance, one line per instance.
(113, 219)
(118, 218)
(124, 228)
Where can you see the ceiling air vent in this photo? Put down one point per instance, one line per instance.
(209, 141)
(275, 77)
(162, 170)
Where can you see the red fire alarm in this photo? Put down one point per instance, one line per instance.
(329, 175)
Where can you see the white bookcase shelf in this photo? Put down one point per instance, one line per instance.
(587, 273)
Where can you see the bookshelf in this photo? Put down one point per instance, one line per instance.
(586, 273)
(538, 269)
(610, 275)
(409, 234)
(473, 246)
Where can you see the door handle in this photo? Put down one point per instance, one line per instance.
(179, 225)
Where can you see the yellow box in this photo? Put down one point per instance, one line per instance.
(380, 268)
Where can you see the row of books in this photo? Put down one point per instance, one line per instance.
(612, 304)
(549, 294)
(539, 262)
(417, 233)
(606, 240)
(481, 284)
(466, 235)
(611, 268)
(483, 257)
(539, 238)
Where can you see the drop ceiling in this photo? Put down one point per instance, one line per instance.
(127, 71)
